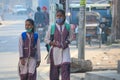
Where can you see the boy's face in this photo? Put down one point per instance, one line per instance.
(28, 25)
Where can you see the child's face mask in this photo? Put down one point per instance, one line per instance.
(59, 20)
(29, 30)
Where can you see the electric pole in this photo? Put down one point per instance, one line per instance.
(81, 30)
(52, 11)
(81, 64)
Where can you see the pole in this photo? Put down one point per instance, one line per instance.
(52, 11)
(34, 4)
(81, 30)
(67, 10)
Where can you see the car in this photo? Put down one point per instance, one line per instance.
(19, 9)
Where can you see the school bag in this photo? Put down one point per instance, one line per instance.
(24, 36)
(67, 26)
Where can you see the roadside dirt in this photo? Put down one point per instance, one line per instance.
(105, 57)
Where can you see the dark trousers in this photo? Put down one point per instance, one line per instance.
(55, 70)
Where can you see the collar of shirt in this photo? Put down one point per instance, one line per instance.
(29, 35)
(58, 26)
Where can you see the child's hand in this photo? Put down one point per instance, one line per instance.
(53, 43)
(22, 61)
(65, 44)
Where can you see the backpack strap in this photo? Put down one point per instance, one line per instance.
(67, 26)
(53, 29)
(24, 36)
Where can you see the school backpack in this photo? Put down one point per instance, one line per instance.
(24, 36)
(67, 26)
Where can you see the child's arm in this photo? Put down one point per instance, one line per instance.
(38, 51)
(21, 51)
(47, 36)
(70, 37)
(20, 47)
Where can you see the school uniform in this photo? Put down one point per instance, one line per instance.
(31, 54)
(59, 54)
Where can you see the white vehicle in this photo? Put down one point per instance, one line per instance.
(19, 9)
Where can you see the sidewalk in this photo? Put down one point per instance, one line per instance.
(102, 58)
